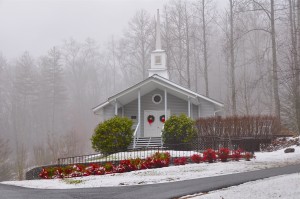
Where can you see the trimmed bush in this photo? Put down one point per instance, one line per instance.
(113, 135)
(179, 132)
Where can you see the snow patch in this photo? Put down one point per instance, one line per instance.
(169, 174)
(284, 187)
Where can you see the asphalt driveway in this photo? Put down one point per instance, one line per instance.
(155, 191)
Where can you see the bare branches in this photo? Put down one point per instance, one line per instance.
(239, 127)
(5, 160)
(262, 8)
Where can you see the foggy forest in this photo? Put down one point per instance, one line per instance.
(245, 55)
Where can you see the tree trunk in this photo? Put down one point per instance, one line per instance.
(167, 40)
(187, 49)
(196, 62)
(274, 64)
(205, 49)
(297, 70)
(232, 67)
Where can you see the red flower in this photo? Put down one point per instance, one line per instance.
(100, 171)
(248, 156)
(236, 155)
(128, 166)
(180, 161)
(196, 158)
(223, 154)
(120, 169)
(209, 155)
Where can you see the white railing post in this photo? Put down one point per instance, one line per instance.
(139, 109)
(189, 107)
(161, 135)
(134, 135)
(166, 105)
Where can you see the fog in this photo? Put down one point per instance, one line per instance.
(59, 59)
(24, 23)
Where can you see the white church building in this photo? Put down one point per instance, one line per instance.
(150, 102)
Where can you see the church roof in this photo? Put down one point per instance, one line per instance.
(150, 84)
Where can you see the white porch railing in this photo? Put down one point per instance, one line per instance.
(161, 132)
(135, 134)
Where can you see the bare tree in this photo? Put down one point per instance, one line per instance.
(291, 100)
(205, 56)
(82, 66)
(138, 40)
(206, 15)
(21, 161)
(167, 37)
(5, 160)
(5, 102)
(64, 146)
(270, 13)
(176, 51)
(53, 91)
(187, 36)
(232, 61)
(41, 155)
(274, 62)
(24, 101)
(297, 68)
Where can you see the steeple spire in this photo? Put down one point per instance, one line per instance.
(158, 56)
(158, 40)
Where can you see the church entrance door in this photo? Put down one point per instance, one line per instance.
(152, 122)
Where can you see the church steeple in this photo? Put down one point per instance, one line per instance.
(158, 40)
(158, 56)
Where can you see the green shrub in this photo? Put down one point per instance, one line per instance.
(179, 132)
(72, 181)
(113, 135)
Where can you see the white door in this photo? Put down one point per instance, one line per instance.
(153, 128)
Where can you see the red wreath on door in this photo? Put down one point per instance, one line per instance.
(150, 119)
(162, 118)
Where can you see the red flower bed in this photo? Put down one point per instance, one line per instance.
(157, 160)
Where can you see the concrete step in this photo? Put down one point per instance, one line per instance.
(146, 142)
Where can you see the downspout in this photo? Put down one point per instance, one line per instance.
(217, 111)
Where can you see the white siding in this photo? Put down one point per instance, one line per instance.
(195, 112)
(207, 109)
(108, 111)
(176, 106)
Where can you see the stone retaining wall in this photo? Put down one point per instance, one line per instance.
(33, 174)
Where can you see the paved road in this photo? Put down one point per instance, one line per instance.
(156, 191)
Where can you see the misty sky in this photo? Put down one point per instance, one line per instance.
(37, 25)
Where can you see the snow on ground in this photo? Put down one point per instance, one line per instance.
(284, 187)
(173, 173)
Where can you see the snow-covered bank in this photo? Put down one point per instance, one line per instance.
(284, 187)
(168, 174)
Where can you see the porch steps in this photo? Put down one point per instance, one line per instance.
(146, 142)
